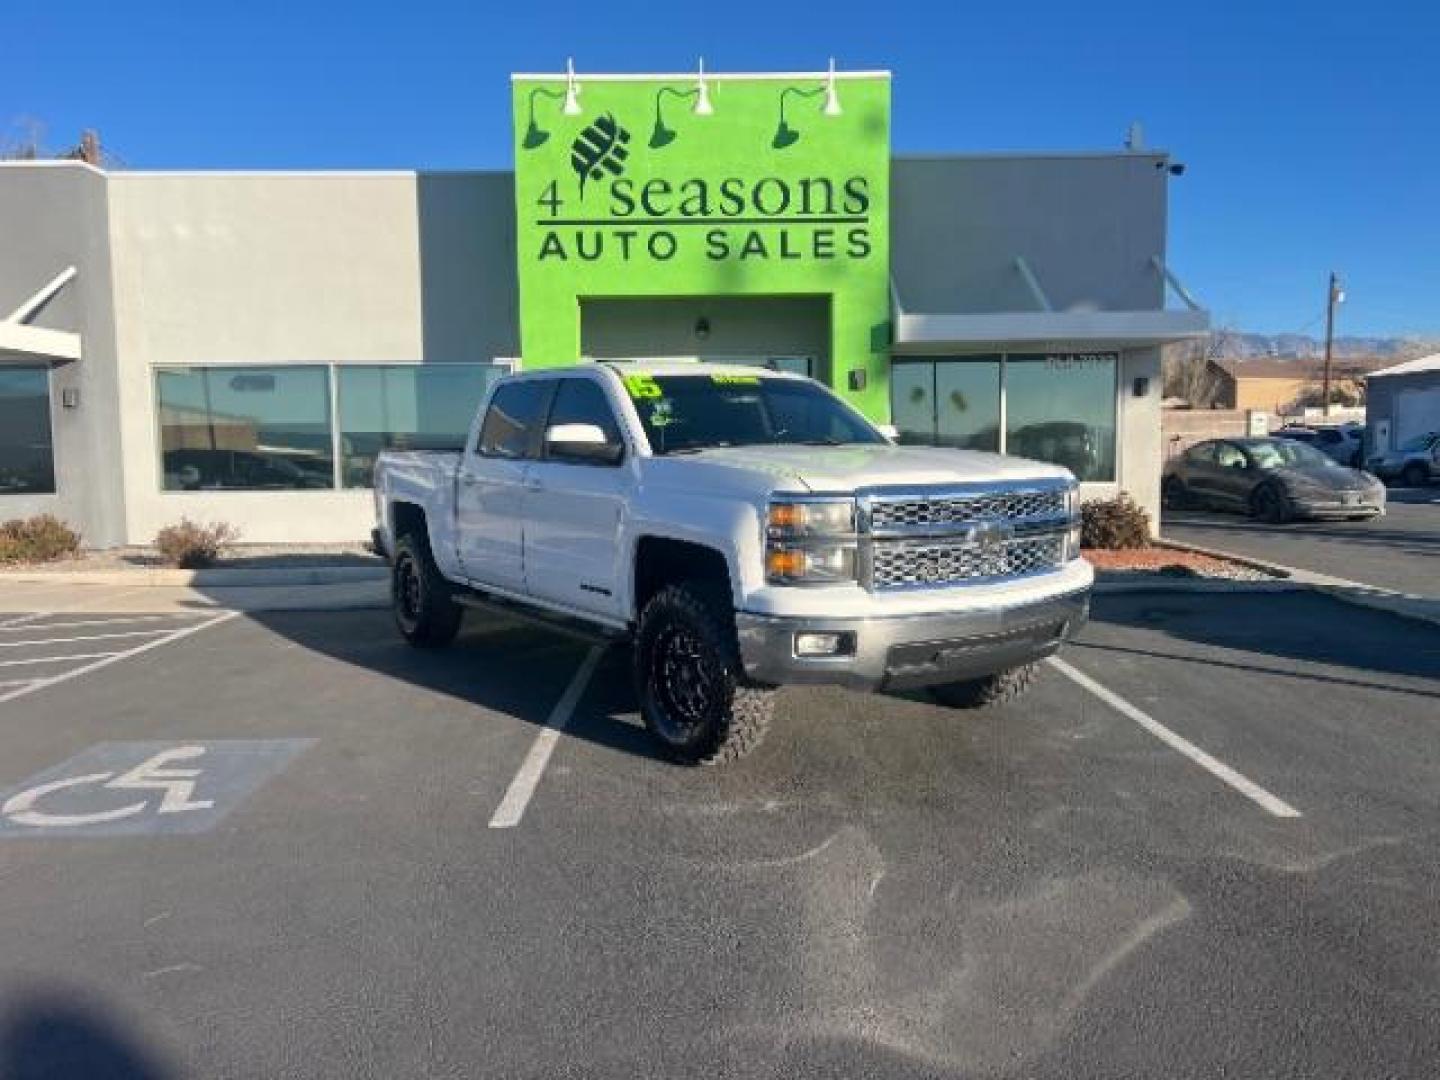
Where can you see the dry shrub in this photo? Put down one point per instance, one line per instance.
(43, 538)
(191, 546)
(1114, 524)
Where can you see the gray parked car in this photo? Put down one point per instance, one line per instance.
(1271, 479)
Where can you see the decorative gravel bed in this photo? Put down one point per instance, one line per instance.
(1171, 562)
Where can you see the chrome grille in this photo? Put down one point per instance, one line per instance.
(899, 564)
(1010, 506)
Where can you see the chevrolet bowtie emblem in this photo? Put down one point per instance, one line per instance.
(991, 536)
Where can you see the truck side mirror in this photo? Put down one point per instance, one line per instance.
(582, 443)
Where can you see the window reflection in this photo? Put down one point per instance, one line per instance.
(27, 462)
(250, 428)
(405, 407)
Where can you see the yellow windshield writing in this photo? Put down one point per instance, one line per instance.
(642, 387)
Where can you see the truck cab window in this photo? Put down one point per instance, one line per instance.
(580, 401)
(514, 414)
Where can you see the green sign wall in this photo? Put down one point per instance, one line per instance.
(771, 194)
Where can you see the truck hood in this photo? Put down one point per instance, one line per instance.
(845, 468)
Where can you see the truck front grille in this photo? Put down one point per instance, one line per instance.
(898, 564)
(1014, 506)
(911, 538)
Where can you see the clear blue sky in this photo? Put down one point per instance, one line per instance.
(1311, 132)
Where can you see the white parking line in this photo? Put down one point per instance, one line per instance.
(86, 637)
(105, 660)
(55, 659)
(89, 601)
(119, 619)
(517, 798)
(1247, 787)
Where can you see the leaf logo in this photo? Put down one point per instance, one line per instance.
(599, 149)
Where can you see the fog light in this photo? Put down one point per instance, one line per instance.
(823, 644)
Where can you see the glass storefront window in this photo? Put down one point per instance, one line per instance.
(952, 402)
(245, 428)
(1061, 408)
(1058, 407)
(405, 407)
(967, 403)
(27, 460)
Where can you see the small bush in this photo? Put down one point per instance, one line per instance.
(191, 546)
(43, 538)
(1114, 524)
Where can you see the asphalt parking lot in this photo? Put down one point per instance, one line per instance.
(287, 844)
(1399, 551)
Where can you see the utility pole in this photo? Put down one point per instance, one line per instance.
(1336, 296)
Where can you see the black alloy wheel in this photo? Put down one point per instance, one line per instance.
(425, 613)
(694, 697)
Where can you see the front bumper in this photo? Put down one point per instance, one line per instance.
(904, 651)
(1328, 507)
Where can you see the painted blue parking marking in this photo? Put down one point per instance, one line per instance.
(144, 788)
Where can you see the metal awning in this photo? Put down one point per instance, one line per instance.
(22, 343)
(1048, 330)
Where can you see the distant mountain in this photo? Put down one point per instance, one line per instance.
(1239, 343)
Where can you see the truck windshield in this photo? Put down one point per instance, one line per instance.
(693, 412)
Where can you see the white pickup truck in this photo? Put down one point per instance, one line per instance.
(745, 529)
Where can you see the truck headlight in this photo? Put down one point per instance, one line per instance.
(810, 542)
(820, 517)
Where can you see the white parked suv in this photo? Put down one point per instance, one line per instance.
(745, 529)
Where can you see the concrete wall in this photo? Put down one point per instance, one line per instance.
(296, 269)
(54, 215)
(1141, 450)
(1087, 226)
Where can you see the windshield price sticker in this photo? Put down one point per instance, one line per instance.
(642, 387)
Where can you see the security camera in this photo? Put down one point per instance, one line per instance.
(1177, 169)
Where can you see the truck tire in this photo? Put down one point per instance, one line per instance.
(1414, 475)
(420, 597)
(692, 690)
(997, 689)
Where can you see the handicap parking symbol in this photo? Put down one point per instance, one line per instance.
(143, 788)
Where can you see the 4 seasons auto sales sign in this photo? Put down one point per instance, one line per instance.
(780, 187)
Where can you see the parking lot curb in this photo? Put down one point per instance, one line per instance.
(1288, 579)
(1196, 585)
(215, 577)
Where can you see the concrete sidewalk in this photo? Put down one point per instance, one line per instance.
(30, 596)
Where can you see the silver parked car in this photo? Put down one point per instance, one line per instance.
(1414, 463)
(1272, 479)
(1344, 443)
